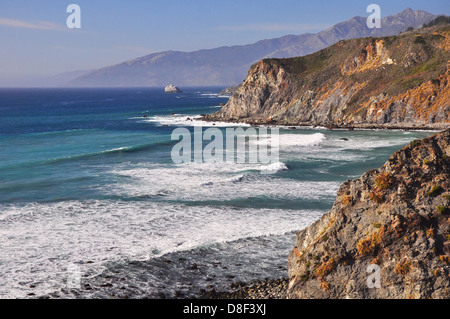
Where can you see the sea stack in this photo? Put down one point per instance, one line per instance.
(172, 89)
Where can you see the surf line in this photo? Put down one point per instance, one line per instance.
(238, 146)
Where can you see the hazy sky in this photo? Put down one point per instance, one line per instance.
(35, 40)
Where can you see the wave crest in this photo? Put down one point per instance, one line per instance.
(296, 140)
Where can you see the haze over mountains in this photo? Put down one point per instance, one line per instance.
(229, 65)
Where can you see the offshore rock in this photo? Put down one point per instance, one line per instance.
(172, 89)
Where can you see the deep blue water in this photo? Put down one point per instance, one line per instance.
(53, 140)
(87, 174)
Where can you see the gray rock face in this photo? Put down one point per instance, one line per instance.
(229, 90)
(228, 65)
(387, 235)
(392, 82)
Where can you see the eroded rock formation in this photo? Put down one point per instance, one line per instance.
(400, 81)
(392, 222)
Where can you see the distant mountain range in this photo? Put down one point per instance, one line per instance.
(229, 65)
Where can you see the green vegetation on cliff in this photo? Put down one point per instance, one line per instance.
(398, 80)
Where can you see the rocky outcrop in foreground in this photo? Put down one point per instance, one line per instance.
(391, 82)
(387, 235)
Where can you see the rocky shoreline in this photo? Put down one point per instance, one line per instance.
(395, 217)
(394, 220)
(264, 289)
(329, 126)
(399, 82)
(191, 274)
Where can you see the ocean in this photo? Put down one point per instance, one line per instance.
(92, 205)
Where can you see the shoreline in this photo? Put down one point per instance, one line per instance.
(329, 126)
(184, 275)
(259, 290)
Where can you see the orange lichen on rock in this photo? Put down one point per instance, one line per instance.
(372, 56)
(426, 99)
(398, 81)
(445, 43)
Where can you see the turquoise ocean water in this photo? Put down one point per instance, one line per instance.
(87, 181)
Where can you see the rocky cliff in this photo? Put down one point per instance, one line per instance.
(387, 235)
(398, 81)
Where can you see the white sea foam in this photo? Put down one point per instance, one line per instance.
(115, 150)
(43, 240)
(216, 181)
(209, 94)
(366, 143)
(288, 141)
(188, 121)
(325, 146)
(273, 168)
(292, 142)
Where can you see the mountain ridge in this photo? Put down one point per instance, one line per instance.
(228, 65)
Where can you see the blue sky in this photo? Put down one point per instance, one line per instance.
(35, 39)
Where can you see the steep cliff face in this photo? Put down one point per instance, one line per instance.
(392, 222)
(266, 90)
(400, 81)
